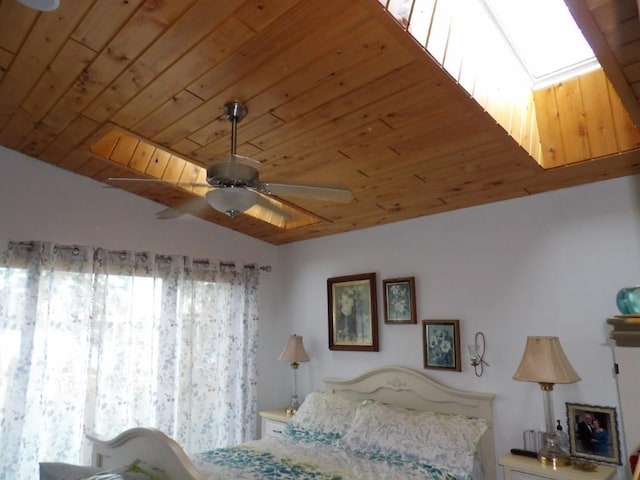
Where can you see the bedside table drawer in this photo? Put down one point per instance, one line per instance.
(515, 475)
(273, 428)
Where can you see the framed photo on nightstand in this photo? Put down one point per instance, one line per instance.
(593, 433)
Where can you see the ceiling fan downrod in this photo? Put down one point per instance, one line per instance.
(235, 113)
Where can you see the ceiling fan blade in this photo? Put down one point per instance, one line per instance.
(267, 204)
(157, 180)
(193, 206)
(330, 194)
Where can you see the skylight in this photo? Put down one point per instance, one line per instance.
(544, 37)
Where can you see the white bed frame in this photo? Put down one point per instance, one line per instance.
(395, 385)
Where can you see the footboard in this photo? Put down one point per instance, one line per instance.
(149, 446)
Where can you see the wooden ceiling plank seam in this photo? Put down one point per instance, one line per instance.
(219, 143)
(346, 48)
(6, 58)
(627, 31)
(353, 102)
(583, 16)
(72, 161)
(631, 71)
(14, 33)
(174, 169)
(93, 167)
(43, 44)
(598, 114)
(15, 132)
(123, 150)
(186, 148)
(385, 61)
(573, 128)
(158, 57)
(59, 76)
(550, 138)
(348, 123)
(176, 107)
(355, 107)
(627, 134)
(274, 82)
(217, 46)
(324, 139)
(141, 157)
(159, 163)
(586, 172)
(103, 140)
(395, 30)
(628, 53)
(260, 15)
(37, 140)
(148, 23)
(102, 22)
(437, 131)
(199, 116)
(285, 31)
(611, 14)
(168, 136)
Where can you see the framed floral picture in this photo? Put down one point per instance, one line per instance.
(441, 344)
(353, 312)
(399, 301)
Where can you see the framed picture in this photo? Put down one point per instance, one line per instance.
(353, 312)
(399, 301)
(593, 433)
(441, 344)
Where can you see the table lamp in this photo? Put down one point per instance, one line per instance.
(545, 363)
(294, 353)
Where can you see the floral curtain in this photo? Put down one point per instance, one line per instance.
(93, 340)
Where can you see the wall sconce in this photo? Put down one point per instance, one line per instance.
(476, 351)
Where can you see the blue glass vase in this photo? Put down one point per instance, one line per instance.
(628, 300)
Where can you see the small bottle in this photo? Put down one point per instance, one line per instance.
(563, 438)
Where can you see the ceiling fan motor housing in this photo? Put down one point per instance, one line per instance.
(231, 174)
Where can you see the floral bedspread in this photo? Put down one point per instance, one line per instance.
(286, 458)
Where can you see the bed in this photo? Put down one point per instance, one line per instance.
(388, 406)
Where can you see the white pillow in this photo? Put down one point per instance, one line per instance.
(323, 416)
(445, 441)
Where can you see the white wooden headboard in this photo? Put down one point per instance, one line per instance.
(410, 388)
(395, 385)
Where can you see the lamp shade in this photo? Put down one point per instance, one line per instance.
(544, 361)
(294, 351)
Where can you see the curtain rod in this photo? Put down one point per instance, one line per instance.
(76, 251)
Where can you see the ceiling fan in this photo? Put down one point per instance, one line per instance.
(235, 184)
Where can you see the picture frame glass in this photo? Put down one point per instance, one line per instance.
(441, 344)
(353, 313)
(399, 301)
(593, 433)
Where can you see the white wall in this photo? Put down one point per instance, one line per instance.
(550, 264)
(42, 202)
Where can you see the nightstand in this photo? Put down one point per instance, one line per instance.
(517, 467)
(273, 422)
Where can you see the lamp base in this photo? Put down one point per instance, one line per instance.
(293, 407)
(551, 454)
(290, 411)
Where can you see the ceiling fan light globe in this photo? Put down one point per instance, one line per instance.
(231, 201)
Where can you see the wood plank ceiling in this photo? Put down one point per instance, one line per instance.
(337, 92)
